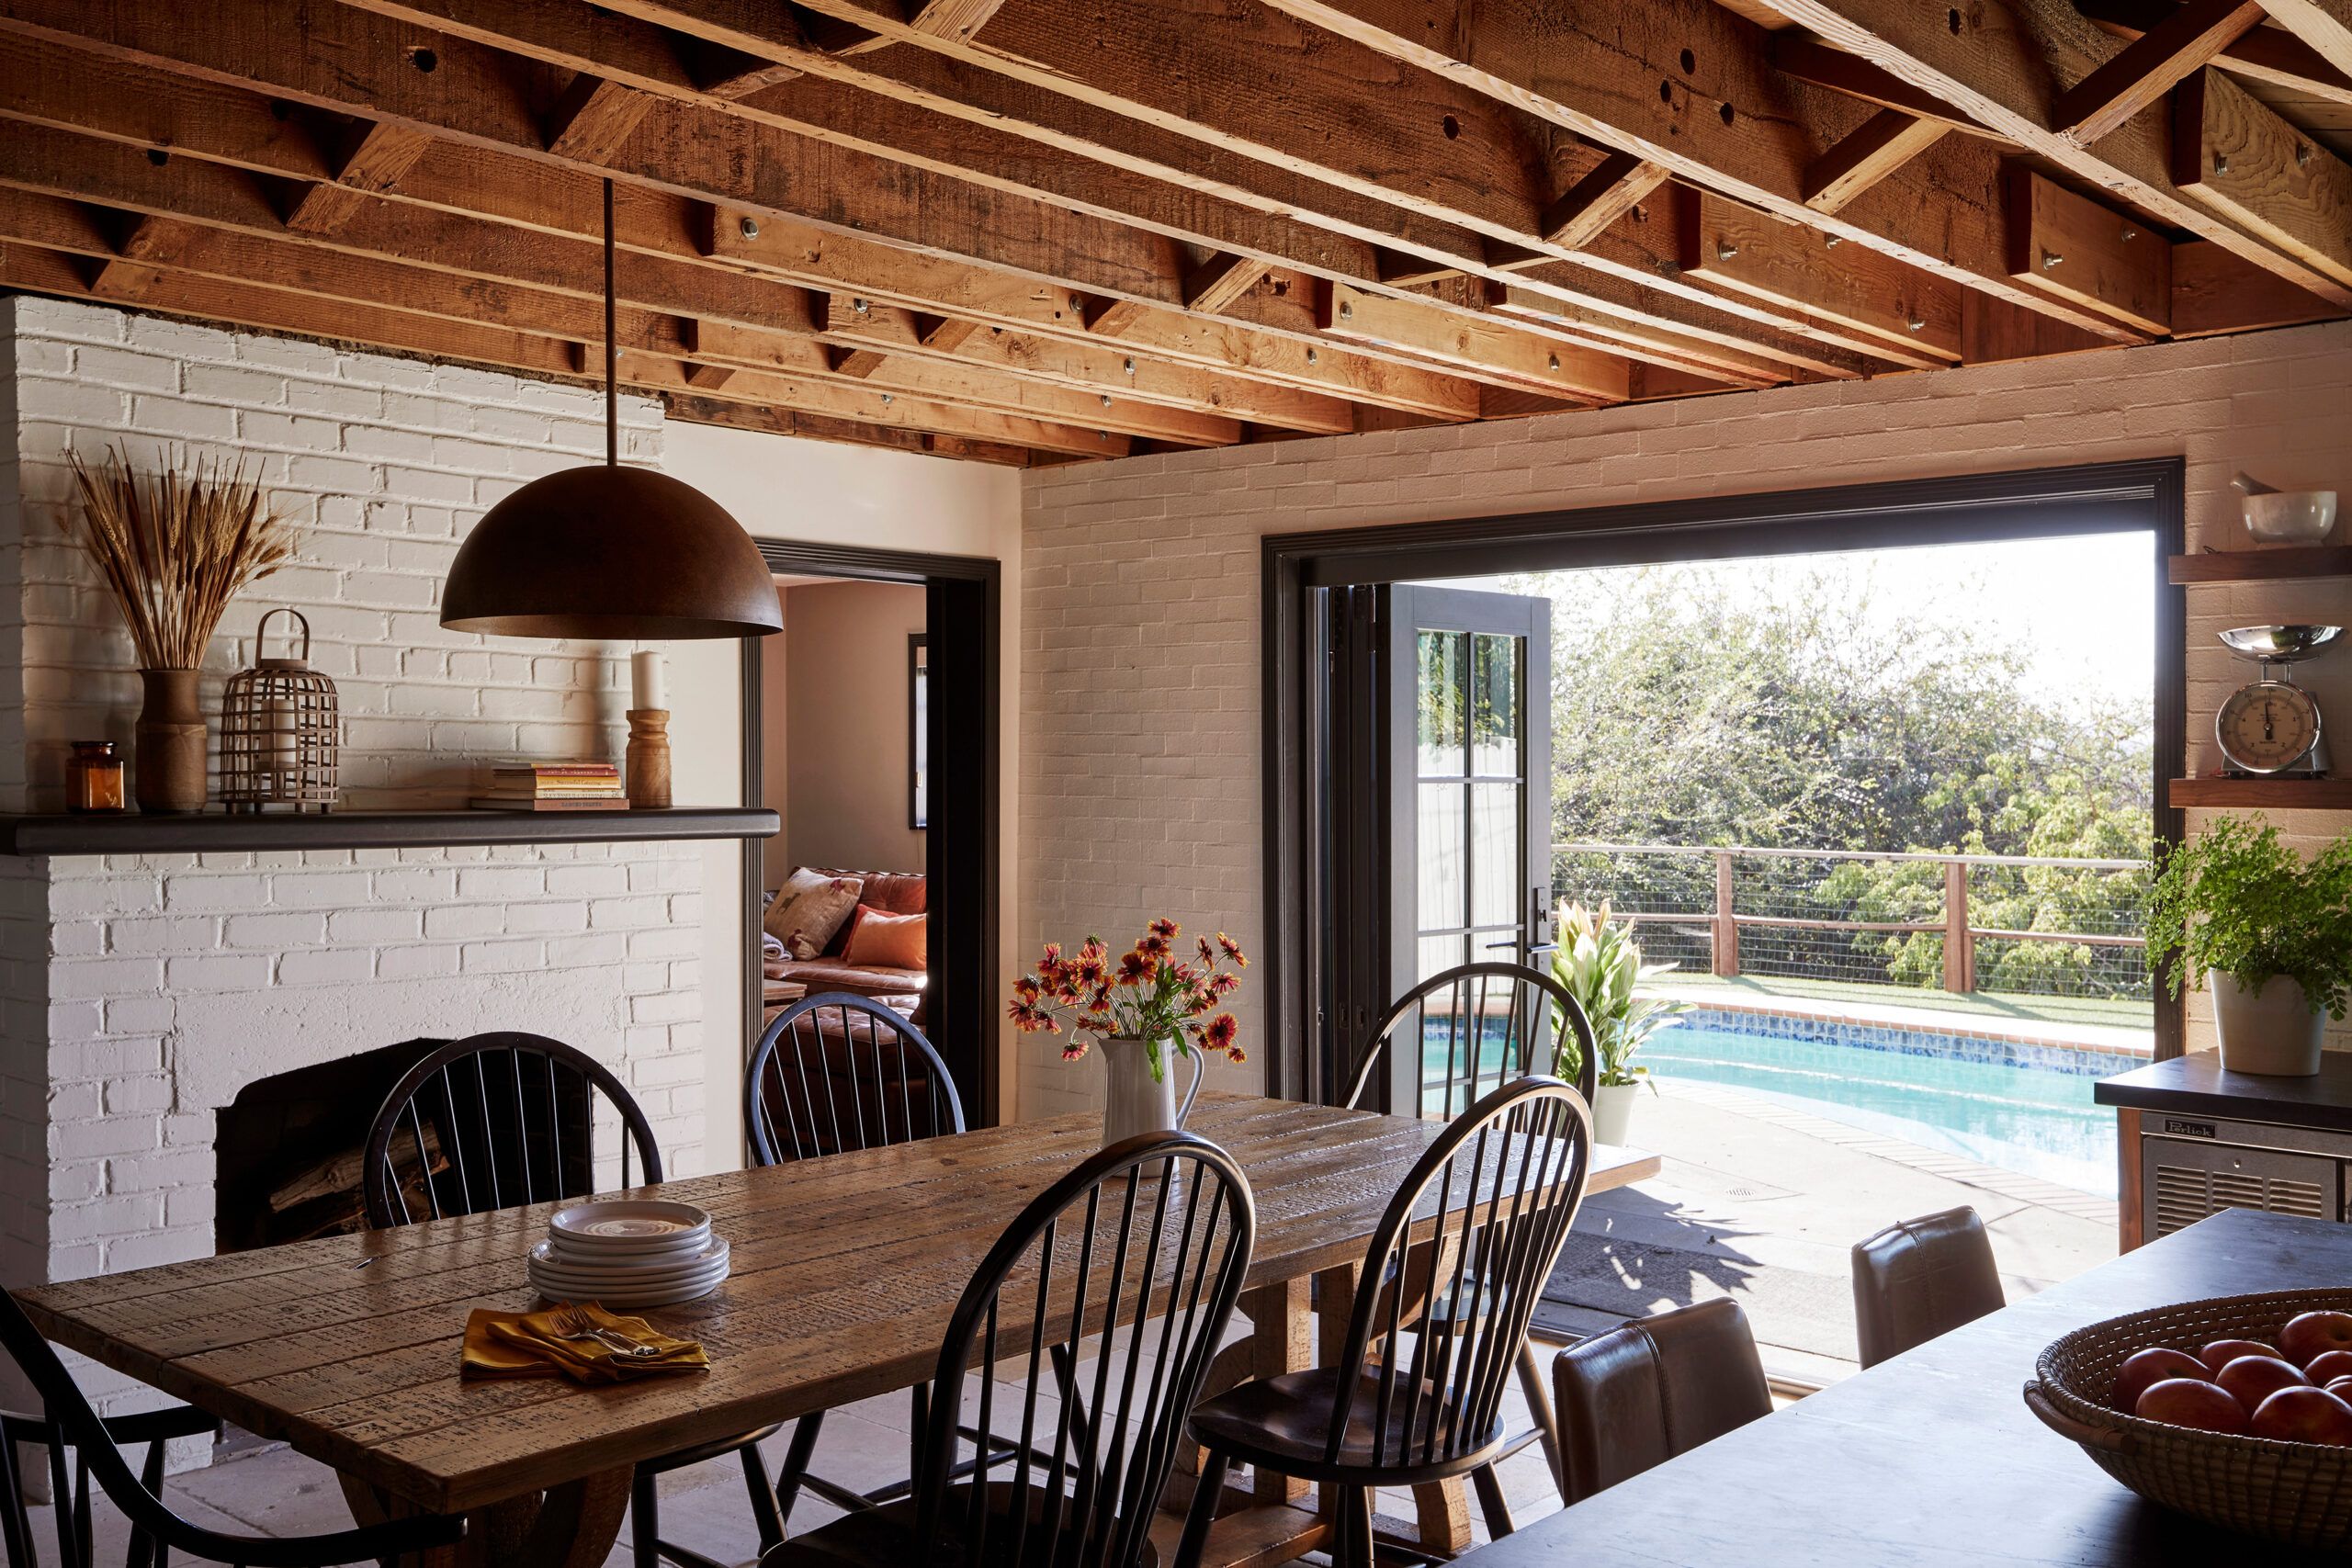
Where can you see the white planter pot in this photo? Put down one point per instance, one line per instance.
(1135, 1102)
(2270, 1030)
(1613, 1109)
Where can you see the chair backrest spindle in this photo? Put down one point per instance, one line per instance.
(1462, 1033)
(437, 1142)
(825, 1074)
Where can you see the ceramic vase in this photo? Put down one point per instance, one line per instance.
(167, 757)
(2270, 1030)
(1613, 1109)
(1137, 1102)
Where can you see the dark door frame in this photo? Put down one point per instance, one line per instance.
(1961, 508)
(962, 849)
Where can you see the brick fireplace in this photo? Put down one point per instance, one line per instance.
(141, 994)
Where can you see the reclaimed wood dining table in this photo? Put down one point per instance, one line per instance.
(1931, 1460)
(845, 1270)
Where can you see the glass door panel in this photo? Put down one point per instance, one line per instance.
(1469, 788)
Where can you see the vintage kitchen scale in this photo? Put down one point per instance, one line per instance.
(2271, 728)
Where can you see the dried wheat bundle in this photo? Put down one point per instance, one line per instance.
(174, 547)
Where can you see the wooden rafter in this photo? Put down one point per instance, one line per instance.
(1616, 185)
(2005, 66)
(2266, 55)
(2073, 245)
(2148, 67)
(2326, 25)
(378, 158)
(1867, 155)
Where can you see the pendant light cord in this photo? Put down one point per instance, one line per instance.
(611, 345)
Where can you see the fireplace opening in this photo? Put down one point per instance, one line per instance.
(291, 1149)
(288, 1149)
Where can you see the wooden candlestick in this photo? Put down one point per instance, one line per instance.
(648, 758)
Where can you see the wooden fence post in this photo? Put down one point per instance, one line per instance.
(1727, 926)
(1960, 945)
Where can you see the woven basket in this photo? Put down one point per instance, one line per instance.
(2296, 1493)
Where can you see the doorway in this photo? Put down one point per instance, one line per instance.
(1366, 643)
(916, 796)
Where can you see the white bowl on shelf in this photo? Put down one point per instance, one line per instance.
(2291, 516)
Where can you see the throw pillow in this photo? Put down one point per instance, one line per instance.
(883, 941)
(808, 908)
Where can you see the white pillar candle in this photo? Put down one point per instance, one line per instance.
(652, 689)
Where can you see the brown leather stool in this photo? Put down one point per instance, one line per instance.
(1920, 1279)
(1638, 1395)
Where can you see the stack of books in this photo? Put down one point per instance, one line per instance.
(553, 786)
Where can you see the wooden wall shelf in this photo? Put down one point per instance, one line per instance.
(2280, 794)
(2281, 563)
(216, 831)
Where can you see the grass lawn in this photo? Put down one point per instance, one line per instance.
(2107, 1011)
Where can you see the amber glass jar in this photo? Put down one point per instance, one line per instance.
(93, 777)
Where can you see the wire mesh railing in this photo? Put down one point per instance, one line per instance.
(2018, 924)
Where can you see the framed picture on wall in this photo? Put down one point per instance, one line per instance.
(917, 730)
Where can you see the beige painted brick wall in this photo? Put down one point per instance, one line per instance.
(1141, 669)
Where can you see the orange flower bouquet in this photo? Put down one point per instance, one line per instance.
(1149, 995)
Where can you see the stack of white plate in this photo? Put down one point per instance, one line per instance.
(628, 1253)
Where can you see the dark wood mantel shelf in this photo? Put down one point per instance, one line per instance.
(216, 831)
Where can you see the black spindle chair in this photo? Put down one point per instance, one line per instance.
(832, 1073)
(156, 1531)
(500, 1120)
(1477, 1224)
(1497, 1022)
(1140, 1251)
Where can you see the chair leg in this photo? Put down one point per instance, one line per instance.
(1356, 1506)
(1491, 1501)
(766, 1514)
(644, 1521)
(1202, 1513)
(796, 1463)
(1539, 1405)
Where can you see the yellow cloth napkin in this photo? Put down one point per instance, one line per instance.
(531, 1345)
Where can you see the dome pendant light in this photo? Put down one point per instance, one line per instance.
(610, 552)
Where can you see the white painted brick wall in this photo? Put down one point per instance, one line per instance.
(1139, 602)
(138, 994)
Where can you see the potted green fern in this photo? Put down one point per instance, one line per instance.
(2269, 934)
(1600, 966)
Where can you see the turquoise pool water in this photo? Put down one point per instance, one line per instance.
(2025, 1119)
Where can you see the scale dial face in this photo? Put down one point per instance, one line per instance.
(2268, 728)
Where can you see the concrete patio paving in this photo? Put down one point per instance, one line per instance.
(1755, 1202)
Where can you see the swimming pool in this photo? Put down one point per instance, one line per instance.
(2026, 1109)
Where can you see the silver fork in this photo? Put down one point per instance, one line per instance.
(573, 1324)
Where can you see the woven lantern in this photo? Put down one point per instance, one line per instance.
(279, 733)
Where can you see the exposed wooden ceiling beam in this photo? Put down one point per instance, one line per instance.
(954, 115)
(1915, 314)
(486, 173)
(1806, 58)
(2148, 68)
(1550, 369)
(1863, 156)
(2073, 245)
(593, 117)
(2239, 157)
(1219, 281)
(2266, 55)
(2215, 291)
(698, 410)
(2005, 64)
(381, 155)
(2326, 25)
(1727, 122)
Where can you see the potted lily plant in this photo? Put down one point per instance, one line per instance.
(1145, 1009)
(1600, 966)
(2269, 934)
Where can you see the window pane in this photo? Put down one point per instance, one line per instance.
(1494, 854)
(1440, 954)
(1444, 900)
(1494, 704)
(1439, 694)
